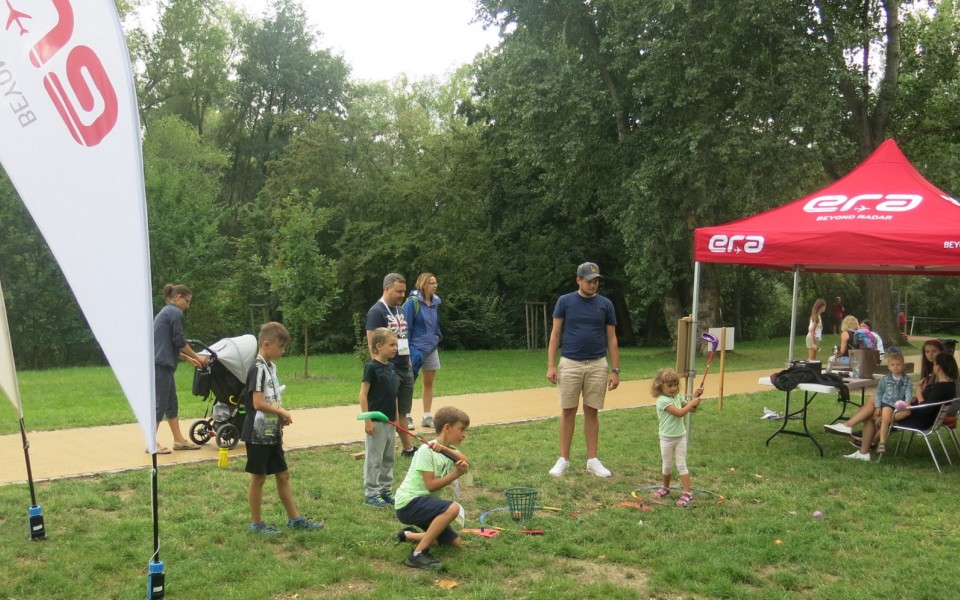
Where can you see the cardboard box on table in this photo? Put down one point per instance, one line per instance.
(869, 359)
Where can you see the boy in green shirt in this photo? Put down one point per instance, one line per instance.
(418, 499)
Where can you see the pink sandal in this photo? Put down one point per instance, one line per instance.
(663, 491)
(685, 499)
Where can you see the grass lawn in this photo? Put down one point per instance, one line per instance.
(885, 525)
(888, 529)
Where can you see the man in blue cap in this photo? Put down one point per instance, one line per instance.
(584, 330)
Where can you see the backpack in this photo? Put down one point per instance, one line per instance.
(862, 339)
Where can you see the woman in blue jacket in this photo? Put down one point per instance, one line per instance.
(422, 313)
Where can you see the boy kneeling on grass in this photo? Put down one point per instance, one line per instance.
(418, 500)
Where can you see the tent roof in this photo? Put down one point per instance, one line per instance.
(882, 217)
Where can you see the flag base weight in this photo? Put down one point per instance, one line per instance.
(155, 581)
(37, 530)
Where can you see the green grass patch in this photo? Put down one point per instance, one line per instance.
(885, 524)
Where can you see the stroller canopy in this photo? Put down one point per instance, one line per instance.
(236, 354)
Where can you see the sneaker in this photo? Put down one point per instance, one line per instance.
(401, 536)
(596, 467)
(410, 423)
(858, 456)
(376, 501)
(422, 561)
(408, 453)
(264, 529)
(560, 468)
(302, 522)
(838, 428)
(388, 498)
(427, 421)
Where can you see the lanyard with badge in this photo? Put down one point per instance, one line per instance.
(403, 344)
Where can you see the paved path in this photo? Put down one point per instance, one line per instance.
(86, 451)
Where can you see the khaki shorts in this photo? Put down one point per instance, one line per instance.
(582, 377)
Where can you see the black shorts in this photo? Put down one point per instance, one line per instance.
(421, 511)
(263, 459)
(404, 390)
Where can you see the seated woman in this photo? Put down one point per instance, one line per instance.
(847, 329)
(930, 350)
(921, 413)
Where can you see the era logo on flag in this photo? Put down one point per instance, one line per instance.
(882, 203)
(723, 244)
(81, 91)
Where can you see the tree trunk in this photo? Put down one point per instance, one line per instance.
(625, 334)
(306, 353)
(880, 309)
(672, 312)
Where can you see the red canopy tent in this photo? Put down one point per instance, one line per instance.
(882, 217)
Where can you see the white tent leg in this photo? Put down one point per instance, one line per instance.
(793, 313)
(694, 339)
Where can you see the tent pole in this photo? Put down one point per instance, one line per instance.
(692, 365)
(793, 313)
(691, 374)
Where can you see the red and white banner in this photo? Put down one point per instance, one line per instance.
(71, 146)
(8, 369)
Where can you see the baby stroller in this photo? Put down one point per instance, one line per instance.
(225, 376)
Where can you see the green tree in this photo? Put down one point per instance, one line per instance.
(300, 275)
(282, 83)
(47, 328)
(186, 63)
(183, 176)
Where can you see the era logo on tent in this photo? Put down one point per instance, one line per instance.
(88, 102)
(723, 244)
(860, 203)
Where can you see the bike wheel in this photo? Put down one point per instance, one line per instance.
(200, 432)
(228, 436)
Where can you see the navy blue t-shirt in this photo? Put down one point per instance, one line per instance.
(391, 318)
(382, 395)
(585, 323)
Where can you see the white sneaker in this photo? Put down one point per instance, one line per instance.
(560, 468)
(858, 456)
(596, 467)
(838, 428)
(410, 424)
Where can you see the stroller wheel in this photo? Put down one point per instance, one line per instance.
(201, 431)
(228, 436)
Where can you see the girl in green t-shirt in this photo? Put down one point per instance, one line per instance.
(672, 407)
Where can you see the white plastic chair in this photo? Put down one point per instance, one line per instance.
(934, 430)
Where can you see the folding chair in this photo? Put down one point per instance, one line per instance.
(934, 429)
(950, 424)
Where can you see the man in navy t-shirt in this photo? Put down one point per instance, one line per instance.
(584, 330)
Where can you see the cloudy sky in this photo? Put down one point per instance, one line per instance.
(383, 38)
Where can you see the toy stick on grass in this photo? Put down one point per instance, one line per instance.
(376, 415)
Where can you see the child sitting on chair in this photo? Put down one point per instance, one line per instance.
(922, 413)
(418, 498)
(672, 407)
(894, 387)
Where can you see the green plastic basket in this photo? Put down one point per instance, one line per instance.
(521, 501)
